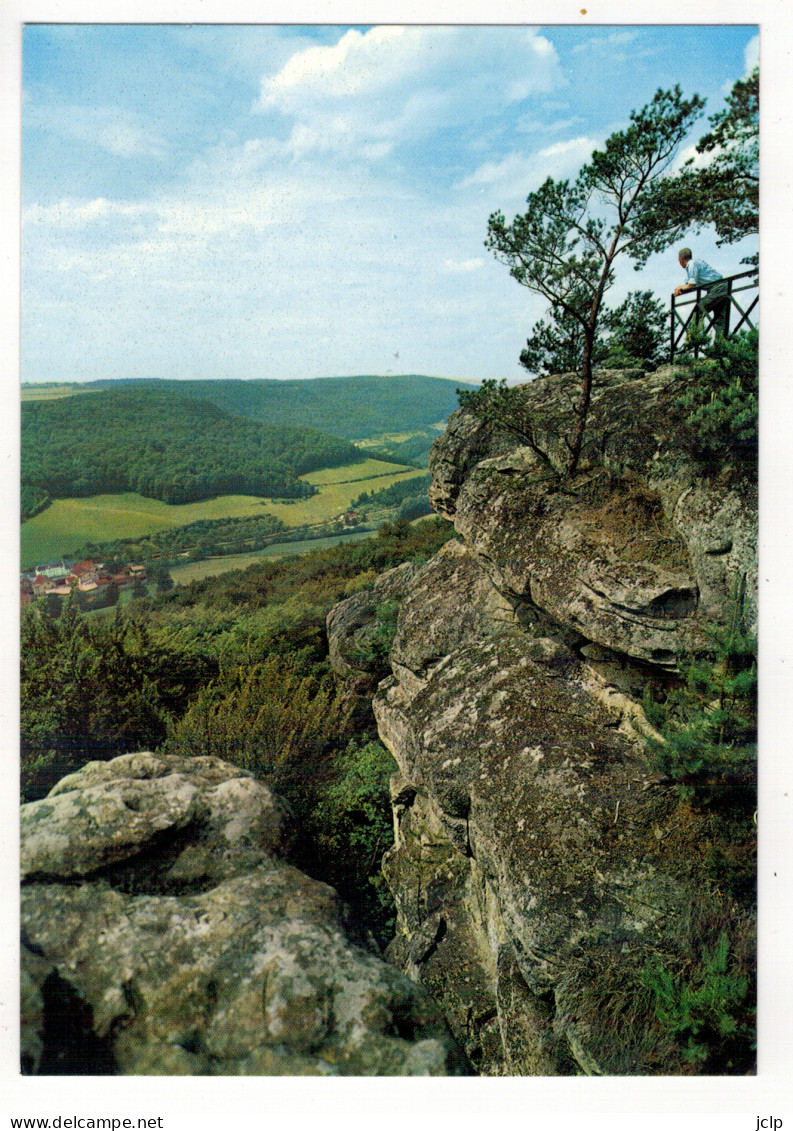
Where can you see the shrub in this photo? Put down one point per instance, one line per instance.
(709, 1012)
(91, 690)
(354, 827)
(720, 399)
(372, 655)
(504, 406)
(272, 720)
(708, 725)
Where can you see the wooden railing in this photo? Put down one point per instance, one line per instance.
(731, 319)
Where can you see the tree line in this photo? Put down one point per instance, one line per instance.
(350, 407)
(207, 537)
(164, 447)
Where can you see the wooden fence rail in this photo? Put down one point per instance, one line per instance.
(682, 319)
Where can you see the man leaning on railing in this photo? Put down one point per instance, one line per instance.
(715, 299)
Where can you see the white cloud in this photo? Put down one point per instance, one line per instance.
(520, 173)
(123, 133)
(606, 43)
(492, 172)
(394, 84)
(578, 147)
(67, 214)
(698, 160)
(751, 54)
(531, 125)
(463, 266)
(358, 64)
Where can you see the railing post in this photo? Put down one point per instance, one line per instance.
(697, 317)
(696, 322)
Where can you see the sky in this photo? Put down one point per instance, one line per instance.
(274, 201)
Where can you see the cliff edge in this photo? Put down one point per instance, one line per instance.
(541, 864)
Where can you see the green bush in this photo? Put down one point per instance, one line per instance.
(353, 828)
(373, 654)
(720, 399)
(708, 1011)
(91, 690)
(271, 719)
(708, 725)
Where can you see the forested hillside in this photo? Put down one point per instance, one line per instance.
(165, 447)
(350, 407)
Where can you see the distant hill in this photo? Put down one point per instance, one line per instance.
(349, 407)
(165, 446)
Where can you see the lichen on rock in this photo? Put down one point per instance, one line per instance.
(540, 862)
(159, 913)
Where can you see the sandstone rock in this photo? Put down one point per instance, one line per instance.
(351, 626)
(637, 554)
(526, 861)
(184, 946)
(432, 623)
(206, 819)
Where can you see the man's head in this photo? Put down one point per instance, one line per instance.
(683, 256)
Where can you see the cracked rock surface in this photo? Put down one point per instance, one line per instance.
(164, 935)
(540, 863)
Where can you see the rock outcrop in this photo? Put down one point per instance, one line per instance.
(354, 651)
(164, 933)
(539, 861)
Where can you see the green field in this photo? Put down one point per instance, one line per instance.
(338, 486)
(356, 472)
(69, 523)
(390, 438)
(51, 392)
(197, 571)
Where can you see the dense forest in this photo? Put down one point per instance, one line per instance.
(235, 665)
(350, 407)
(164, 447)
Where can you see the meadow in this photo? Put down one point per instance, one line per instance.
(337, 487)
(69, 523)
(213, 567)
(51, 392)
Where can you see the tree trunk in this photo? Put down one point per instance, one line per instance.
(582, 408)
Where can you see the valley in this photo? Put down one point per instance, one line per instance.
(67, 525)
(299, 453)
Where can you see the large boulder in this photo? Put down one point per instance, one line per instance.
(171, 822)
(639, 552)
(163, 934)
(540, 863)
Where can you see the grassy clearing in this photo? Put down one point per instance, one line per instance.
(385, 438)
(335, 497)
(51, 392)
(197, 571)
(69, 523)
(355, 472)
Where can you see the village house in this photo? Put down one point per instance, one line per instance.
(55, 571)
(85, 573)
(43, 585)
(61, 578)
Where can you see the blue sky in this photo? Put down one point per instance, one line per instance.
(274, 201)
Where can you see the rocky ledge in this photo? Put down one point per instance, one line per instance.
(540, 863)
(164, 933)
